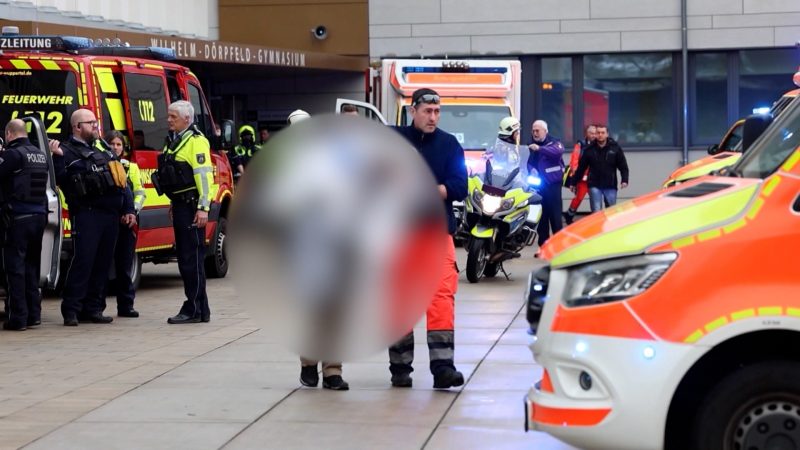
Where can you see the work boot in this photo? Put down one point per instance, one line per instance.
(335, 382)
(569, 216)
(402, 380)
(447, 378)
(309, 376)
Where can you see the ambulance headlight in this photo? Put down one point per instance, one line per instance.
(617, 279)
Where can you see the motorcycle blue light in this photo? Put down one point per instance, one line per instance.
(534, 180)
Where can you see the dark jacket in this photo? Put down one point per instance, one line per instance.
(115, 200)
(445, 158)
(12, 162)
(603, 163)
(548, 160)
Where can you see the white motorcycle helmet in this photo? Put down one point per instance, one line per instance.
(508, 126)
(297, 116)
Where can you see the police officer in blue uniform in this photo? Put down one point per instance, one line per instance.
(98, 198)
(24, 175)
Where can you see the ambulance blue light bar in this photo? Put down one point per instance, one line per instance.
(57, 43)
(83, 46)
(418, 69)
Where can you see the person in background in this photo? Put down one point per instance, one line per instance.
(603, 158)
(546, 157)
(582, 187)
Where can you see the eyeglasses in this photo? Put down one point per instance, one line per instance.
(427, 98)
(92, 123)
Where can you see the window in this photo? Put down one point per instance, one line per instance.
(201, 117)
(711, 98)
(764, 75)
(148, 110)
(21, 91)
(557, 96)
(636, 93)
(777, 143)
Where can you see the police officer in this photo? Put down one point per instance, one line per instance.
(24, 175)
(126, 239)
(98, 199)
(185, 175)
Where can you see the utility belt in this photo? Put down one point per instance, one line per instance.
(98, 181)
(172, 176)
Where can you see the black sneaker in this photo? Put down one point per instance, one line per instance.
(10, 327)
(569, 218)
(309, 376)
(70, 321)
(448, 378)
(335, 382)
(402, 380)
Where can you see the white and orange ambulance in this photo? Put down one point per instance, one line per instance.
(673, 320)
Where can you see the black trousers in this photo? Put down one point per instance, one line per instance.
(551, 212)
(123, 264)
(22, 254)
(94, 235)
(190, 244)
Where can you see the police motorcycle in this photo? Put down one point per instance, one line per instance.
(502, 210)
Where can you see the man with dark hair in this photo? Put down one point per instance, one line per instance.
(24, 173)
(602, 159)
(445, 157)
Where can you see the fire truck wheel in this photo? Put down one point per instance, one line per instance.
(217, 260)
(757, 406)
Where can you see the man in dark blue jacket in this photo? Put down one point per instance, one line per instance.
(24, 173)
(545, 157)
(445, 157)
(99, 200)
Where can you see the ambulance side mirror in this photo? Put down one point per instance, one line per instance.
(227, 134)
(713, 149)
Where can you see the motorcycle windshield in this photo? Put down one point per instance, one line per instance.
(503, 166)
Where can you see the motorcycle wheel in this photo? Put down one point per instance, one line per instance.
(491, 270)
(476, 260)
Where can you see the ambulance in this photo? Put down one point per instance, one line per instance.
(128, 89)
(729, 149)
(673, 320)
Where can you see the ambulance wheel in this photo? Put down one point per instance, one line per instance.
(476, 259)
(757, 406)
(491, 270)
(217, 260)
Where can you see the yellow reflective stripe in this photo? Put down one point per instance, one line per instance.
(734, 226)
(104, 63)
(74, 66)
(770, 311)
(128, 63)
(753, 212)
(770, 186)
(49, 65)
(743, 314)
(794, 312)
(714, 324)
(792, 161)
(694, 337)
(106, 80)
(157, 247)
(683, 242)
(637, 237)
(151, 198)
(154, 66)
(710, 234)
(117, 113)
(20, 64)
(708, 168)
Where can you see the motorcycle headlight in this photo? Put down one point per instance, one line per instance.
(491, 204)
(507, 204)
(614, 280)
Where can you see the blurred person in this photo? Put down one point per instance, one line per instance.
(98, 198)
(445, 158)
(138, 141)
(546, 158)
(581, 188)
(349, 110)
(125, 249)
(263, 136)
(331, 370)
(186, 175)
(602, 159)
(24, 174)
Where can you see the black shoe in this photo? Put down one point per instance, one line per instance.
(448, 378)
(9, 327)
(309, 376)
(34, 323)
(569, 218)
(128, 313)
(206, 319)
(97, 318)
(335, 382)
(402, 380)
(183, 318)
(71, 321)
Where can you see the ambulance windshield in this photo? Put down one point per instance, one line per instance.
(475, 126)
(779, 142)
(51, 95)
